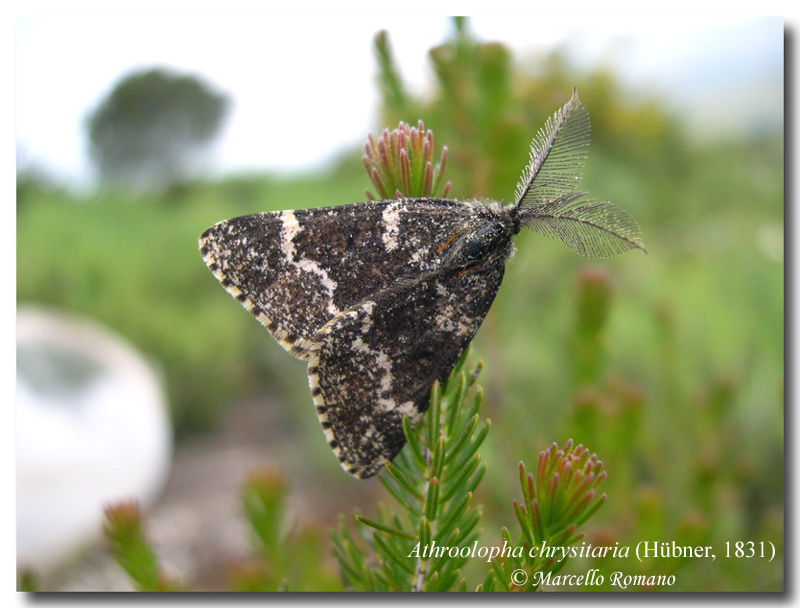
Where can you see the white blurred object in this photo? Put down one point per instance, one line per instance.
(92, 428)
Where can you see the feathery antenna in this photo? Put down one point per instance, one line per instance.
(547, 199)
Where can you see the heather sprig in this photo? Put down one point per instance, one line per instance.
(400, 163)
(561, 496)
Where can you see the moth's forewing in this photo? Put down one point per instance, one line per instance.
(296, 270)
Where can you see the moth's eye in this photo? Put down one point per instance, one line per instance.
(475, 246)
(476, 249)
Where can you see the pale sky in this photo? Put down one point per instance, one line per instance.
(292, 78)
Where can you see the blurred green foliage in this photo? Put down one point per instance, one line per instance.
(284, 558)
(670, 365)
(288, 558)
(124, 530)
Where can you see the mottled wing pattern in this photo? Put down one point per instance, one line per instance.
(367, 370)
(296, 270)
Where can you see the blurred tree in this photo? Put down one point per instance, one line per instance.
(154, 128)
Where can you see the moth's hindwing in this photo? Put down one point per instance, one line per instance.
(377, 361)
(296, 270)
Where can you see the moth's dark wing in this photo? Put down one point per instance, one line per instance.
(296, 270)
(374, 363)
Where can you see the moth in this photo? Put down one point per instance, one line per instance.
(381, 298)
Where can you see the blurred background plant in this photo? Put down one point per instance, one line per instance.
(283, 557)
(670, 365)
